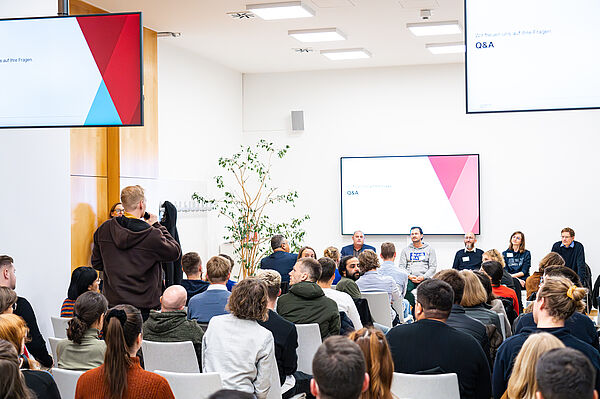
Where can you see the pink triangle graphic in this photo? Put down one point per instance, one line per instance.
(465, 196)
(448, 170)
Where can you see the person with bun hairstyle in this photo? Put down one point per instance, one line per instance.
(83, 279)
(378, 358)
(121, 376)
(12, 383)
(82, 349)
(334, 254)
(557, 299)
(522, 383)
(14, 330)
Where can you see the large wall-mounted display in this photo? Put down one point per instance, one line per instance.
(532, 55)
(75, 71)
(390, 194)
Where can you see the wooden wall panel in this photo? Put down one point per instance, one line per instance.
(88, 151)
(89, 207)
(139, 145)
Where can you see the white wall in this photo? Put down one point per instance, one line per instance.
(35, 201)
(537, 169)
(200, 119)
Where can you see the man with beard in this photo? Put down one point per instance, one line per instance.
(419, 260)
(350, 272)
(469, 257)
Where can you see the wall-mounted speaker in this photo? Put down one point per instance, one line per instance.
(297, 120)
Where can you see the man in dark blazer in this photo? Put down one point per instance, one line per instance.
(281, 260)
(358, 245)
(430, 346)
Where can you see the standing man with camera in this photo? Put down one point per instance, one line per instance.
(129, 250)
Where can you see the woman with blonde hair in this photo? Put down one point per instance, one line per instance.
(333, 253)
(494, 254)
(558, 298)
(522, 383)
(14, 330)
(378, 358)
(474, 301)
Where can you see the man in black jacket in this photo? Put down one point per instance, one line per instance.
(129, 250)
(430, 346)
(36, 346)
(458, 318)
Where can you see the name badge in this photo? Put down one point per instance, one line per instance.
(465, 258)
(509, 254)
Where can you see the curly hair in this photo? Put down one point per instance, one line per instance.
(249, 299)
(368, 260)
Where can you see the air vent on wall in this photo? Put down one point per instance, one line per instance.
(241, 14)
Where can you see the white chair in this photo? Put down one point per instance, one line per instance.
(176, 357)
(192, 385)
(66, 381)
(53, 344)
(379, 305)
(309, 340)
(501, 316)
(59, 325)
(434, 386)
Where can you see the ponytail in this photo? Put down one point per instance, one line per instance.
(88, 309)
(123, 324)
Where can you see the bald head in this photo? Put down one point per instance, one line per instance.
(173, 298)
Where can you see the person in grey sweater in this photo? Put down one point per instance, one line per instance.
(419, 260)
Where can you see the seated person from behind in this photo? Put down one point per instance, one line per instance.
(171, 323)
(306, 302)
(373, 281)
(83, 279)
(469, 257)
(339, 369)
(281, 260)
(388, 268)
(431, 346)
(192, 267)
(230, 283)
(565, 373)
(8, 299)
(532, 284)
(246, 364)
(83, 349)
(284, 332)
(358, 245)
(494, 270)
(349, 273)
(202, 307)
(344, 302)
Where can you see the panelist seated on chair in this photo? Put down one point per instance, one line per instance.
(358, 245)
(373, 281)
(83, 349)
(306, 302)
(469, 257)
(419, 260)
(171, 323)
(430, 346)
(202, 307)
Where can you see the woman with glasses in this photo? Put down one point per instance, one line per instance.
(116, 210)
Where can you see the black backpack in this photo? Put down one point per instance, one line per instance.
(509, 309)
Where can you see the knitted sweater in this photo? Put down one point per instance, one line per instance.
(141, 384)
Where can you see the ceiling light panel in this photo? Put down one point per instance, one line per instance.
(446, 48)
(346, 54)
(434, 28)
(317, 35)
(283, 10)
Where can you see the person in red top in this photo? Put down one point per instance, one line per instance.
(121, 375)
(494, 270)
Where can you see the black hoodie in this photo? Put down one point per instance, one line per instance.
(173, 270)
(130, 251)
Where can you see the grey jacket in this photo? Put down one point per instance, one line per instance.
(419, 261)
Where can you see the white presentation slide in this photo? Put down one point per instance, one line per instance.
(532, 54)
(389, 195)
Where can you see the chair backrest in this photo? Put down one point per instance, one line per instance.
(177, 357)
(66, 381)
(379, 305)
(53, 344)
(431, 386)
(309, 340)
(59, 325)
(192, 385)
(502, 326)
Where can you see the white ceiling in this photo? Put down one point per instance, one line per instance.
(255, 45)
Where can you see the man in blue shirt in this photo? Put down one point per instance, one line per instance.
(469, 257)
(388, 268)
(202, 307)
(572, 252)
(280, 260)
(358, 245)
